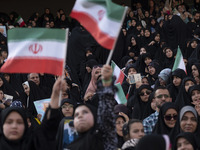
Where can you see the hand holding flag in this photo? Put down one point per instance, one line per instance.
(179, 63)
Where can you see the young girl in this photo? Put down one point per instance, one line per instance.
(135, 131)
(96, 126)
(15, 134)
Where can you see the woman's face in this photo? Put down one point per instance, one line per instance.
(195, 71)
(188, 122)
(131, 14)
(170, 117)
(194, 44)
(147, 61)
(142, 51)
(183, 144)
(169, 53)
(157, 38)
(13, 127)
(139, 27)
(133, 23)
(195, 96)
(26, 89)
(83, 119)
(7, 77)
(152, 70)
(145, 81)
(188, 84)
(133, 41)
(67, 109)
(144, 94)
(146, 14)
(131, 71)
(162, 82)
(147, 33)
(176, 81)
(1, 82)
(119, 125)
(153, 22)
(136, 130)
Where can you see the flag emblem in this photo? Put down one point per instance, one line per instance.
(101, 14)
(35, 48)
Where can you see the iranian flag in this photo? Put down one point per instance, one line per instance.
(20, 21)
(119, 95)
(38, 50)
(179, 63)
(117, 72)
(102, 18)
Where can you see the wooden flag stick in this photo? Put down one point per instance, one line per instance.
(112, 51)
(63, 74)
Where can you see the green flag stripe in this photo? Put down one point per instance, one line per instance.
(177, 61)
(22, 34)
(114, 11)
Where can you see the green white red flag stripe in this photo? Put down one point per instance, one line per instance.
(102, 18)
(39, 50)
(117, 72)
(20, 21)
(179, 63)
(119, 95)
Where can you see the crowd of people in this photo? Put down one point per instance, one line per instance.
(162, 110)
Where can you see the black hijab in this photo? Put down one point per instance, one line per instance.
(140, 106)
(7, 88)
(6, 144)
(190, 137)
(174, 90)
(34, 95)
(153, 142)
(90, 139)
(154, 77)
(183, 98)
(161, 127)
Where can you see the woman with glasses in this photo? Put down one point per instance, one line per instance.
(166, 119)
(140, 102)
(188, 121)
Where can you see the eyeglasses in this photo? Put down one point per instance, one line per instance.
(67, 106)
(169, 117)
(120, 122)
(147, 92)
(162, 95)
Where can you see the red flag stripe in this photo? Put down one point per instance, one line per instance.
(92, 26)
(33, 65)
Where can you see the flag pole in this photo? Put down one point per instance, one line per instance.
(66, 41)
(113, 48)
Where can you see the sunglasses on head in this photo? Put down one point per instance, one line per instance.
(169, 117)
(147, 92)
(162, 95)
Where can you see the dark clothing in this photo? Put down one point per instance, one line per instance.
(102, 135)
(42, 138)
